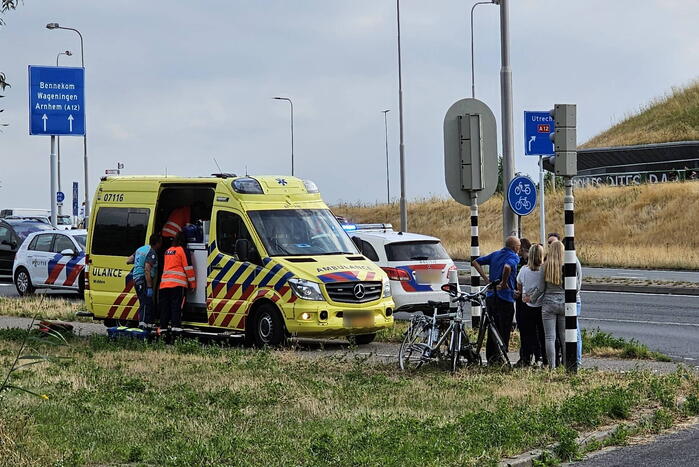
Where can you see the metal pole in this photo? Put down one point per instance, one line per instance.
(53, 163)
(473, 72)
(475, 253)
(291, 104)
(403, 205)
(542, 203)
(570, 278)
(509, 220)
(388, 177)
(58, 143)
(292, 137)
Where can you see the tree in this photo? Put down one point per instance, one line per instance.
(5, 6)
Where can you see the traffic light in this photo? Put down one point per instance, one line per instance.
(564, 140)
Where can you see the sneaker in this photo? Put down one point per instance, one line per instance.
(174, 329)
(142, 325)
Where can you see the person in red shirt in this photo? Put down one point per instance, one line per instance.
(178, 218)
(178, 276)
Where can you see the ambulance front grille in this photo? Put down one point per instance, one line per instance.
(349, 292)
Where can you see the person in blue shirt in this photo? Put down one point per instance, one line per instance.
(500, 303)
(144, 272)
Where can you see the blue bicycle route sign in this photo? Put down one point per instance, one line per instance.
(56, 100)
(521, 195)
(537, 128)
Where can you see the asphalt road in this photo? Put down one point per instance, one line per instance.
(645, 274)
(676, 449)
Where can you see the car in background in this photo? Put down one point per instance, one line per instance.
(13, 232)
(64, 222)
(51, 259)
(417, 265)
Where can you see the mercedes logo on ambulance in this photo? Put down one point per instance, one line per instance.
(359, 291)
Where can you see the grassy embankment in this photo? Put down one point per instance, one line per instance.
(646, 226)
(126, 402)
(673, 117)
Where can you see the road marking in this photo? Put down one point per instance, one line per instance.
(638, 293)
(663, 323)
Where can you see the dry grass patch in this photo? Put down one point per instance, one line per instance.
(647, 226)
(46, 306)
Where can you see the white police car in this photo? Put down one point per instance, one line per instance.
(417, 265)
(50, 259)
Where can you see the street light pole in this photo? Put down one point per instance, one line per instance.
(58, 139)
(85, 165)
(403, 205)
(473, 72)
(388, 177)
(292, 129)
(509, 220)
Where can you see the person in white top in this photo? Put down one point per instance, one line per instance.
(530, 325)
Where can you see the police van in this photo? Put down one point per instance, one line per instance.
(273, 261)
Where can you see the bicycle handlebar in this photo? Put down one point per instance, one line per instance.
(463, 296)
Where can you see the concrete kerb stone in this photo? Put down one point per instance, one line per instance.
(527, 459)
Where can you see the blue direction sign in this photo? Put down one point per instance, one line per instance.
(60, 196)
(56, 100)
(537, 128)
(521, 195)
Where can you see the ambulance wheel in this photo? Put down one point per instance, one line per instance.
(23, 282)
(362, 339)
(268, 328)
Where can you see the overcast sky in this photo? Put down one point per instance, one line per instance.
(171, 85)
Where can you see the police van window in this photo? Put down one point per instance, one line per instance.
(119, 231)
(5, 237)
(62, 243)
(368, 251)
(229, 228)
(42, 242)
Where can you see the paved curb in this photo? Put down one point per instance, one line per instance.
(527, 459)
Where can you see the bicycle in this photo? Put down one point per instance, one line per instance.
(424, 344)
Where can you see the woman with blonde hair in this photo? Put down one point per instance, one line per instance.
(529, 314)
(551, 292)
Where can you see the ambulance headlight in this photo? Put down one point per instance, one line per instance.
(306, 290)
(386, 288)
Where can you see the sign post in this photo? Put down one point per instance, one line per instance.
(56, 107)
(538, 125)
(471, 167)
(75, 202)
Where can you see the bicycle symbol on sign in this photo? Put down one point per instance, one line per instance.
(522, 188)
(523, 203)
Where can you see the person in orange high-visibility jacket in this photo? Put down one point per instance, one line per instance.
(179, 217)
(178, 276)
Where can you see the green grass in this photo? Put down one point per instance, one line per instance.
(44, 307)
(188, 404)
(603, 344)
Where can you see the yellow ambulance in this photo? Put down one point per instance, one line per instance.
(272, 262)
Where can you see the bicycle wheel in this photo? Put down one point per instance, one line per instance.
(455, 349)
(414, 350)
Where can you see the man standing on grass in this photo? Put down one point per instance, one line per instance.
(145, 270)
(501, 303)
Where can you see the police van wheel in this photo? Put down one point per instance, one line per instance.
(23, 282)
(269, 327)
(362, 339)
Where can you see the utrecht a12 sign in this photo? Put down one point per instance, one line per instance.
(56, 101)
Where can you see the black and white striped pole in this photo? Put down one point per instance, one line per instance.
(475, 253)
(565, 145)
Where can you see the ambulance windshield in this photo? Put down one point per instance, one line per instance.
(301, 232)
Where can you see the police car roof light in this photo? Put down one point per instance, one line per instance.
(349, 227)
(247, 185)
(374, 226)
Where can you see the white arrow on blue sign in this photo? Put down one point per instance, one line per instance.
(56, 100)
(521, 195)
(538, 127)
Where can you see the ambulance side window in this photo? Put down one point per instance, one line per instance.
(229, 228)
(119, 231)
